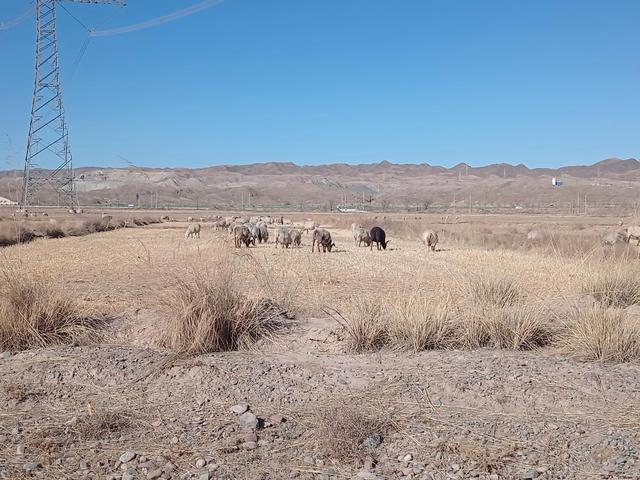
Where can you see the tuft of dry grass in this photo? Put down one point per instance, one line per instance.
(209, 313)
(416, 324)
(499, 292)
(601, 334)
(340, 429)
(364, 324)
(33, 314)
(102, 424)
(617, 287)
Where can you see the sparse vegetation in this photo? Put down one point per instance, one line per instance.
(617, 287)
(33, 314)
(209, 313)
(601, 334)
(341, 429)
(100, 425)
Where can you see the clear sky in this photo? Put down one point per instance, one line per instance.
(545, 82)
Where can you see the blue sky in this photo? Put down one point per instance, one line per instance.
(545, 83)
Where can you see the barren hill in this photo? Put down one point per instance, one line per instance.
(383, 185)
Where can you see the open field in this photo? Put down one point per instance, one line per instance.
(493, 357)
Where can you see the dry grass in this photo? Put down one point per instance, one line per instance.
(364, 323)
(615, 286)
(101, 425)
(33, 314)
(416, 324)
(600, 334)
(340, 429)
(16, 231)
(209, 313)
(496, 292)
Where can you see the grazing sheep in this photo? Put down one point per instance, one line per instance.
(263, 233)
(242, 234)
(310, 225)
(165, 218)
(283, 237)
(611, 238)
(633, 232)
(193, 231)
(355, 227)
(620, 223)
(536, 235)
(378, 237)
(189, 219)
(430, 239)
(322, 237)
(296, 237)
(361, 236)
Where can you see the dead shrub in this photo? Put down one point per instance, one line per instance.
(209, 313)
(364, 324)
(515, 327)
(500, 292)
(340, 430)
(617, 288)
(102, 424)
(418, 324)
(33, 314)
(604, 335)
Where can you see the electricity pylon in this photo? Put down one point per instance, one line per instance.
(48, 159)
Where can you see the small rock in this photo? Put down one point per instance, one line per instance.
(153, 474)
(83, 466)
(372, 441)
(250, 445)
(276, 419)
(201, 462)
(129, 474)
(240, 408)
(407, 458)
(174, 440)
(248, 420)
(127, 456)
(529, 475)
(327, 473)
(6, 355)
(30, 467)
(369, 462)
(494, 476)
(249, 437)
(150, 465)
(16, 430)
(308, 460)
(204, 476)
(20, 450)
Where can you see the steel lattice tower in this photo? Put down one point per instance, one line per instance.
(48, 159)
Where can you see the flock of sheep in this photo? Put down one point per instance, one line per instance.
(256, 229)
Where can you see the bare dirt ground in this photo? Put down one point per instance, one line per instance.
(125, 407)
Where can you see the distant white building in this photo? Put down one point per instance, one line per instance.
(556, 182)
(6, 201)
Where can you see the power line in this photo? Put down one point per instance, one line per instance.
(18, 20)
(157, 21)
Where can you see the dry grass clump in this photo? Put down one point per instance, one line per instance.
(209, 313)
(102, 424)
(33, 314)
(340, 429)
(498, 292)
(416, 324)
(365, 326)
(618, 287)
(605, 335)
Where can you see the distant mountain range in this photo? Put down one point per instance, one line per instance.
(379, 184)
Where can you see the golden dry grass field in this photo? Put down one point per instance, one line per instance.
(492, 357)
